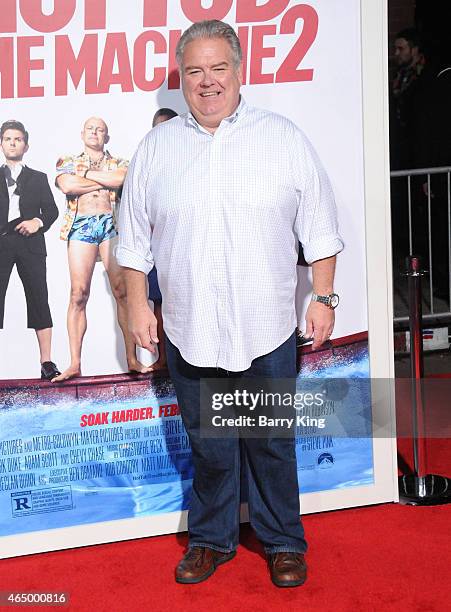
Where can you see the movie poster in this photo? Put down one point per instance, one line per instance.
(108, 443)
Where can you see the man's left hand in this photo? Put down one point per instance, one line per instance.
(27, 228)
(320, 321)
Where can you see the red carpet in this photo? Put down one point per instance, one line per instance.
(387, 557)
(376, 558)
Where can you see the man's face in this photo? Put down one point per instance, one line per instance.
(210, 82)
(95, 133)
(404, 53)
(13, 145)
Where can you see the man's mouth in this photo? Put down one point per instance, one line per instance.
(210, 94)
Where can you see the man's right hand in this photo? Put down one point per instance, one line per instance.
(142, 324)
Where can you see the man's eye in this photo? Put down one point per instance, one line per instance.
(193, 71)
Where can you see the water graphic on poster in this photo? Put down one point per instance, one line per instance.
(115, 451)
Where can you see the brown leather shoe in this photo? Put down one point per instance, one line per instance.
(199, 563)
(288, 569)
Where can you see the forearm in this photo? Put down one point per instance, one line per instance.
(141, 320)
(112, 180)
(323, 272)
(136, 285)
(72, 184)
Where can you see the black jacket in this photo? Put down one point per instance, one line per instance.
(35, 201)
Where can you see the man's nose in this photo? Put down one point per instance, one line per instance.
(207, 79)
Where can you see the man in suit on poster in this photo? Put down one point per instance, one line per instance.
(27, 210)
(218, 198)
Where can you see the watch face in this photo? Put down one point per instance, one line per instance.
(334, 299)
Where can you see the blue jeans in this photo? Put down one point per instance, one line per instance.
(273, 495)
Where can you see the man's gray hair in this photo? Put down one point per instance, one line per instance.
(212, 28)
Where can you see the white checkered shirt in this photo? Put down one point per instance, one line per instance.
(221, 215)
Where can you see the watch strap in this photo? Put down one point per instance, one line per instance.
(330, 300)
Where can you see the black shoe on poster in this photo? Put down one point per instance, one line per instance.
(49, 370)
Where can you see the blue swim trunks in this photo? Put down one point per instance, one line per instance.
(93, 229)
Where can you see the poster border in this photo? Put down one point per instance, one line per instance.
(374, 54)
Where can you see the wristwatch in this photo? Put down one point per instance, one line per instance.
(330, 300)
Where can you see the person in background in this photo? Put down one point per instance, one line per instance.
(410, 92)
(27, 210)
(405, 99)
(162, 115)
(419, 138)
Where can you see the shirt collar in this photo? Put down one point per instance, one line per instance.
(237, 113)
(16, 169)
(85, 156)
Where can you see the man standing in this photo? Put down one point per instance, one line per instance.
(410, 97)
(410, 93)
(92, 182)
(27, 210)
(218, 198)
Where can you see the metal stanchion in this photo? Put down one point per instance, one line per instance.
(420, 488)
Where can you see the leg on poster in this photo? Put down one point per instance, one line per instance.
(81, 258)
(117, 283)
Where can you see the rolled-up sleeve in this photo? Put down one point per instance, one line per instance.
(64, 165)
(316, 222)
(134, 248)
